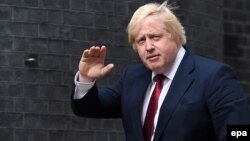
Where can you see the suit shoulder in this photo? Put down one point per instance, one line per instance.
(207, 63)
(208, 67)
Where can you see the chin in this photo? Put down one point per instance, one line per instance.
(156, 69)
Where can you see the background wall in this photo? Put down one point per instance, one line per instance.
(237, 38)
(34, 95)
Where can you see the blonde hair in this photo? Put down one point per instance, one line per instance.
(170, 21)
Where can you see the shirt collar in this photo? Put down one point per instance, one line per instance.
(170, 73)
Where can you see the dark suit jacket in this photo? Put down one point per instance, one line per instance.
(203, 98)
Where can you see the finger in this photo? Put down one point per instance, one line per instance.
(92, 51)
(103, 52)
(97, 52)
(107, 69)
(85, 53)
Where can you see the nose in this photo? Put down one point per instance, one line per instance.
(149, 45)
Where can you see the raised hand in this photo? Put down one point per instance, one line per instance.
(91, 65)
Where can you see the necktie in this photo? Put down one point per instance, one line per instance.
(152, 108)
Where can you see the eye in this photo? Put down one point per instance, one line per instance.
(141, 41)
(156, 37)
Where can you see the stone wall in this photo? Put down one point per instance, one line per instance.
(237, 39)
(34, 94)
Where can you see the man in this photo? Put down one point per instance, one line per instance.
(173, 95)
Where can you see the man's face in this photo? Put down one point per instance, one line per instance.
(154, 44)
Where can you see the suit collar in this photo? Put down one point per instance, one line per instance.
(138, 94)
(183, 79)
(172, 71)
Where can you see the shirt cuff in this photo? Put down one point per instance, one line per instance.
(81, 88)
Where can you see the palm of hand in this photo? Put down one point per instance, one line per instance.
(91, 65)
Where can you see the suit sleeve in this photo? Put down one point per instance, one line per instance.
(227, 101)
(99, 103)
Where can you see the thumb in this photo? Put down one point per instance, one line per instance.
(107, 69)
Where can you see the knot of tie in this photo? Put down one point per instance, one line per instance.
(159, 78)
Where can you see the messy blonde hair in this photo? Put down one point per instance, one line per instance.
(163, 11)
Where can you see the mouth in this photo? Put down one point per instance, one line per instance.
(153, 57)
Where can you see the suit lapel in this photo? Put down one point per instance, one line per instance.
(182, 81)
(138, 97)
